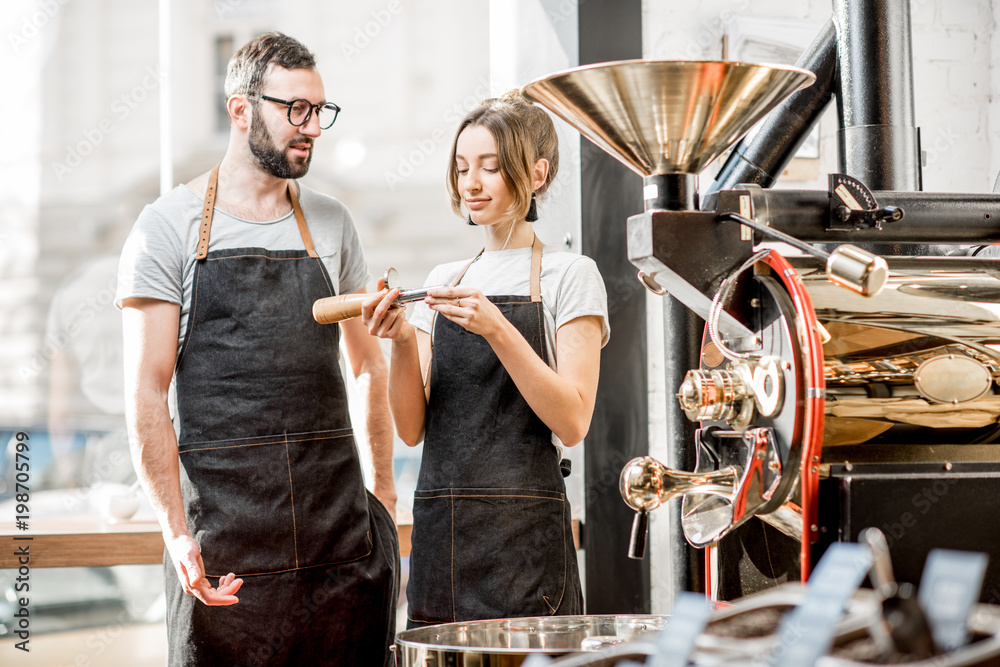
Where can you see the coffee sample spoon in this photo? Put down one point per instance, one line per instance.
(346, 306)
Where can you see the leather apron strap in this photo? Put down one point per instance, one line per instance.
(536, 289)
(536, 270)
(209, 210)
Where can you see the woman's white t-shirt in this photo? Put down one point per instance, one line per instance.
(571, 287)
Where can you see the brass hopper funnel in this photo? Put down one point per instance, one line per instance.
(662, 116)
(666, 117)
(666, 120)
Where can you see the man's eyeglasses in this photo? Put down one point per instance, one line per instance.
(300, 111)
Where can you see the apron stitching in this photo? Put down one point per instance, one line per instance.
(276, 259)
(291, 495)
(489, 495)
(541, 332)
(258, 444)
(194, 308)
(417, 620)
(454, 611)
(305, 567)
(338, 431)
(323, 273)
(565, 567)
(565, 559)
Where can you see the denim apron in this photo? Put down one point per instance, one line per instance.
(492, 535)
(270, 475)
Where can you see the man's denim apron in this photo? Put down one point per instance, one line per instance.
(492, 534)
(270, 475)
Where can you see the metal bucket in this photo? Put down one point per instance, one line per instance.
(509, 642)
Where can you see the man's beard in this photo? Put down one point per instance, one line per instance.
(270, 158)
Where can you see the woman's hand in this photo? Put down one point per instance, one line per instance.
(468, 308)
(383, 318)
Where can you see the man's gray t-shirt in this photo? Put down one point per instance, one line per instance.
(158, 257)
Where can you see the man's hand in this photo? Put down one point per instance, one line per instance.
(186, 557)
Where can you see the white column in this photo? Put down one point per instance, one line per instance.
(29, 35)
(530, 39)
(166, 114)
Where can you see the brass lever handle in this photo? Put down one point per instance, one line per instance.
(645, 483)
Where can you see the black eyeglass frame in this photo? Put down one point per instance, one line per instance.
(312, 107)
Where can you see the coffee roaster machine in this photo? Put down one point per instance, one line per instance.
(846, 378)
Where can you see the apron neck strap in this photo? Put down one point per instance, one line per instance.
(300, 219)
(536, 270)
(209, 209)
(536, 290)
(206, 213)
(461, 274)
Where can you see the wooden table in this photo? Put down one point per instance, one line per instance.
(92, 542)
(82, 542)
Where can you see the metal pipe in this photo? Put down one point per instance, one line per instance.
(762, 158)
(670, 192)
(682, 336)
(878, 139)
(775, 234)
(929, 217)
(846, 265)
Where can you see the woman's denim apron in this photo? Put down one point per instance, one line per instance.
(492, 534)
(270, 476)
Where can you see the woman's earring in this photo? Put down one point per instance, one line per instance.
(469, 221)
(532, 210)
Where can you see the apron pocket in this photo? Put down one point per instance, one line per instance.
(488, 553)
(275, 503)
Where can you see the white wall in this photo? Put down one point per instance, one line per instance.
(952, 58)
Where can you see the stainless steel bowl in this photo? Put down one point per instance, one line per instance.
(508, 642)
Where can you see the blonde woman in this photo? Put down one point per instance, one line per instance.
(494, 373)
